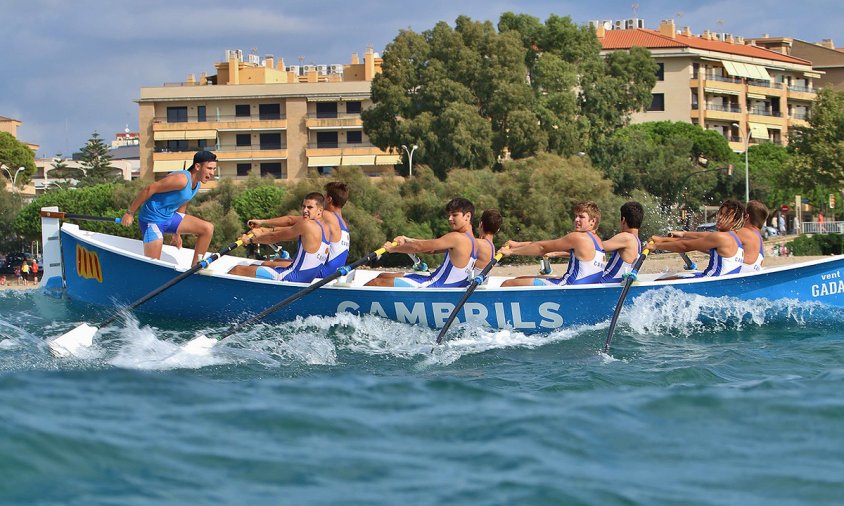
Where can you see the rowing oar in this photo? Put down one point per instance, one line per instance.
(630, 277)
(201, 343)
(68, 216)
(418, 264)
(477, 280)
(83, 335)
(689, 265)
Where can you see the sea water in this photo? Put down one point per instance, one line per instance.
(700, 401)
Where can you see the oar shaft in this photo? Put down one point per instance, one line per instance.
(200, 265)
(342, 271)
(627, 283)
(472, 286)
(67, 216)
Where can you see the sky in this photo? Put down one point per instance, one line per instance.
(74, 67)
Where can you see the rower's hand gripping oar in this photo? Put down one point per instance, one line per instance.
(477, 280)
(83, 336)
(67, 216)
(203, 342)
(630, 277)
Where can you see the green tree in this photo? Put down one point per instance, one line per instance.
(60, 170)
(259, 202)
(819, 148)
(15, 154)
(10, 205)
(96, 162)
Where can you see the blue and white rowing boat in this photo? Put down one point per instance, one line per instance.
(110, 271)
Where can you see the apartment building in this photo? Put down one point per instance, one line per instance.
(263, 118)
(747, 93)
(10, 126)
(825, 58)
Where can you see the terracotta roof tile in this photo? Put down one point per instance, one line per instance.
(652, 39)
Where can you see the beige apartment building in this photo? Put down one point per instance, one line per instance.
(825, 58)
(263, 118)
(746, 93)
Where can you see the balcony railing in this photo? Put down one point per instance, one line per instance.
(337, 115)
(224, 117)
(761, 112)
(723, 108)
(254, 147)
(764, 84)
(800, 116)
(331, 145)
(801, 89)
(714, 77)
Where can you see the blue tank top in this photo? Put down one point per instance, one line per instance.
(162, 206)
(338, 252)
(447, 274)
(306, 266)
(582, 272)
(618, 267)
(721, 266)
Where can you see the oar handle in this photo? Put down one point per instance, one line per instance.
(629, 279)
(67, 216)
(477, 280)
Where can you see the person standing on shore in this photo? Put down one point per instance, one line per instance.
(163, 205)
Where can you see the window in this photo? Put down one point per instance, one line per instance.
(269, 111)
(353, 107)
(271, 169)
(242, 111)
(243, 140)
(200, 113)
(326, 110)
(270, 141)
(694, 100)
(660, 72)
(243, 169)
(326, 139)
(354, 137)
(180, 145)
(202, 144)
(658, 102)
(177, 114)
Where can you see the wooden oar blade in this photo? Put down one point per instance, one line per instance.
(73, 342)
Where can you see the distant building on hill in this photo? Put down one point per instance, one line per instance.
(745, 92)
(265, 118)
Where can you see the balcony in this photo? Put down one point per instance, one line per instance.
(224, 123)
(341, 121)
(723, 108)
(762, 112)
(802, 89)
(759, 83)
(723, 79)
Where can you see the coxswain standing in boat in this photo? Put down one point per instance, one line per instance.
(163, 205)
(586, 252)
(311, 254)
(461, 252)
(336, 196)
(489, 225)
(726, 253)
(625, 245)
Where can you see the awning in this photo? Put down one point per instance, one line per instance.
(722, 92)
(758, 131)
(170, 165)
(185, 135)
(358, 159)
(812, 74)
(323, 161)
(756, 96)
(387, 159)
(746, 70)
(200, 134)
(325, 99)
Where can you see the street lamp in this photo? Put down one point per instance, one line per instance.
(746, 172)
(15, 178)
(409, 158)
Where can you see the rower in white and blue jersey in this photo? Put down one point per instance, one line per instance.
(313, 247)
(461, 252)
(625, 245)
(586, 252)
(726, 253)
(756, 214)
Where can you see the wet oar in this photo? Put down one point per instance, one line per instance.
(477, 280)
(200, 343)
(689, 265)
(83, 336)
(630, 277)
(68, 216)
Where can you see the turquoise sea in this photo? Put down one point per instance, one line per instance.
(701, 401)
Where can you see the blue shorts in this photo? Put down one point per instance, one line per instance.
(152, 232)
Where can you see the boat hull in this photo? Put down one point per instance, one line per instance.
(107, 271)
